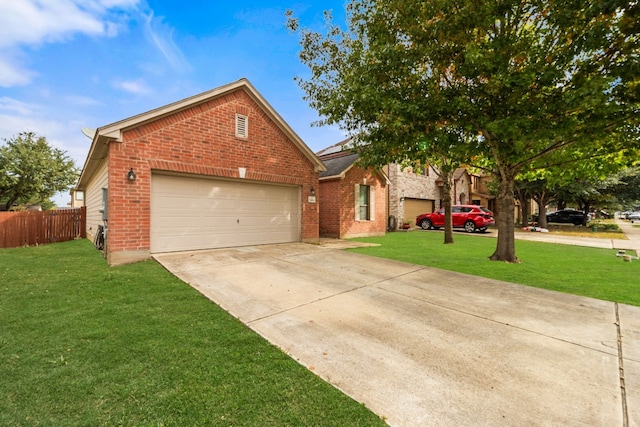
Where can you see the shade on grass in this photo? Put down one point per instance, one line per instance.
(83, 344)
(578, 270)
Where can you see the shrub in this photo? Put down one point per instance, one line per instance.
(604, 226)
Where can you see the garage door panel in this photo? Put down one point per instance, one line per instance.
(199, 213)
(415, 207)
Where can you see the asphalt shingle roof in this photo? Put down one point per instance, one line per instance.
(336, 165)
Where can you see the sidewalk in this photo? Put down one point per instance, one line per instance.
(632, 233)
(632, 243)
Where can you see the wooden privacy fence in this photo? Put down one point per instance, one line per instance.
(32, 228)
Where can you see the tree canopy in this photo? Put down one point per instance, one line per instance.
(525, 80)
(31, 171)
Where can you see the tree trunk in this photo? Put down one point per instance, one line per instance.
(542, 216)
(542, 198)
(11, 201)
(506, 246)
(525, 207)
(585, 217)
(446, 200)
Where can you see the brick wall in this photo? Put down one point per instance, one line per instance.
(201, 140)
(329, 203)
(337, 206)
(349, 227)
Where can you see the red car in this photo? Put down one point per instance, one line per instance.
(470, 217)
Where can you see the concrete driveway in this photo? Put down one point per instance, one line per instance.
(425, 347)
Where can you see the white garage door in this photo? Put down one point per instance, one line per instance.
(198, 213)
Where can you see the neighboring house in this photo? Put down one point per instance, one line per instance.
(352, 199)
(480, 194)
(411, 193)
(219, 169)
(77, 199)
(460, 188)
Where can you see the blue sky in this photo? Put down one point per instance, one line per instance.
(69, 64)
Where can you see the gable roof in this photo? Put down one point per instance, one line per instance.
(339, 159)
(113, 132)
(337, 167)
(457, 174)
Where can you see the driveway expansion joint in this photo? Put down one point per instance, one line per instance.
(623, 389)
(276, 313)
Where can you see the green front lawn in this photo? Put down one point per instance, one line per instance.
(591, 272)
(82, 344)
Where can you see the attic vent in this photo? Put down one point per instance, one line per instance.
(242, 126)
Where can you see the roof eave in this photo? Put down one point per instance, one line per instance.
(315, 160)
(114, 131)
(330, 178)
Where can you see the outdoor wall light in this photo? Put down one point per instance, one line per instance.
(312, 191)
(131, 176)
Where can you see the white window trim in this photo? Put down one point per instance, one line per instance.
(356, 194)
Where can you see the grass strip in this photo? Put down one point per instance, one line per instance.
(591, 272)
(85, 344)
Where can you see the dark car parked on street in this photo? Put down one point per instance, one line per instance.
(469, 217)
(566, 216)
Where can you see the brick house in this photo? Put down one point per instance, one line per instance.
(352, 199)
(218, 169)
(411, 192)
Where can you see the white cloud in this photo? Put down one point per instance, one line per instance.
(82, 101)
(66, 136)
(161, 36)
(34, 22)
(10, 105)
(136, 87)
(12, 124)
(12, 74)
(17, 116)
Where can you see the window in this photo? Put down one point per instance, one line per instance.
(105, 202)
(421, 170)
(242, 126)
(79, 195)
(364, 197)
(364, 202)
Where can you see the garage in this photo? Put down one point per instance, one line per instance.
(415, 207)
(191, 213)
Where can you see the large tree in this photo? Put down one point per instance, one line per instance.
(31, 171)
(442, 151)
(584, 179)
(627, 191)
(523, 78)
